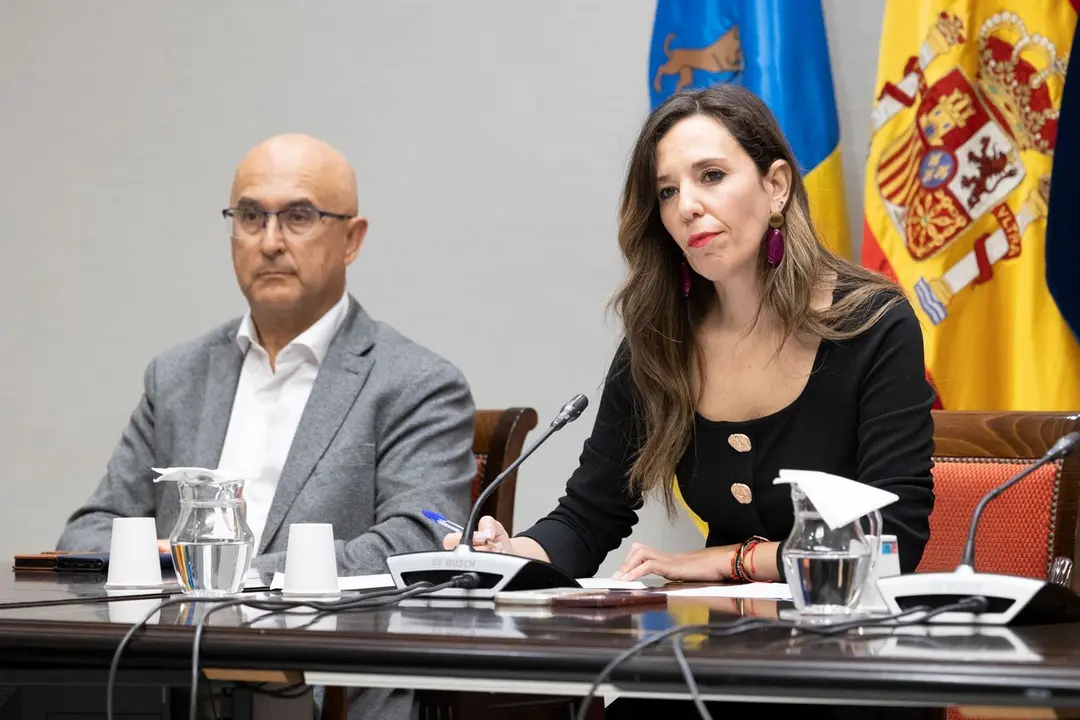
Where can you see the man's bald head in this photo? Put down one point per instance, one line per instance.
(308, 162)
(293, 270)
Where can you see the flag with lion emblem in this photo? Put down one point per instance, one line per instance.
(964, 125)
(777, 49)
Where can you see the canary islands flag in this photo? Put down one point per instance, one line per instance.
(965, 123)
(777, 49)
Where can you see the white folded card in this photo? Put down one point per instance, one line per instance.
(205, 474)
(253, 580)
(370, 582)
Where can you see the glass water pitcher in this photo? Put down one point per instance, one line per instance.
(212, 545)
(828, 568)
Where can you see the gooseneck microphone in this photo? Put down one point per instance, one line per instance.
(1010, 599)
(570, 412)
(497, 571)
(1061, 448)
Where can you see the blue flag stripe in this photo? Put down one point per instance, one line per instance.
(785, 61)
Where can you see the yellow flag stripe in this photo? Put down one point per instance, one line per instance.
(700, 524)
(993, 337)
(825, 185)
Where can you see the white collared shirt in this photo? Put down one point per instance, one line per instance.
(267, 407)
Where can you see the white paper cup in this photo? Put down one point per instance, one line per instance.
(133, 555)
(310, 562)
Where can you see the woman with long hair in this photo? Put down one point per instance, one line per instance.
(748, 347)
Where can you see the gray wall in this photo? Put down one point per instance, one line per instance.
(489, 138)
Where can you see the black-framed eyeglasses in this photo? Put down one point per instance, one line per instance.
(296, 221)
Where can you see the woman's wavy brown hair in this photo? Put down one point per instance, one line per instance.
(660, 324)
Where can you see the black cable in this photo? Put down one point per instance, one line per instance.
(642, 644)
(970, 604)
(740, 625)
(386, 596)
(114, 666)
(193, 699)
(325, 608)
(382, 598)
(688, 676)
(403, 594)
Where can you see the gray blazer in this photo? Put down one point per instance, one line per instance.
(387, 433)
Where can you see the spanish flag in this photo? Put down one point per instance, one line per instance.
(964, 123)
(778, 50)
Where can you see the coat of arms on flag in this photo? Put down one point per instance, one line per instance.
(958, 178)
(957, 163)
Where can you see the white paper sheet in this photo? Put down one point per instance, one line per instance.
(355, 582)
(370, 582)
(760, 590)
(253, 580)
(609, 584)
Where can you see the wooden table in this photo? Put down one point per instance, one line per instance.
(480, 647)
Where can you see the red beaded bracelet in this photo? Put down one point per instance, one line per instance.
(750, 561)
(738, 563)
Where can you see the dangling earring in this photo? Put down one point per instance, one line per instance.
(684, 274)
(774, 240)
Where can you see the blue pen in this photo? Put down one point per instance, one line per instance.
(436, 517)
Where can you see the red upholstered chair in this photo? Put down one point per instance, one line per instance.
(1028, 525)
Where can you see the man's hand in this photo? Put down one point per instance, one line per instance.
(163, 546)
(707, 565)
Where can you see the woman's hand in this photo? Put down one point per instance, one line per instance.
(490, 536)
(706, 565)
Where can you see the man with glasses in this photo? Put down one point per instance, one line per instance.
(338, 418)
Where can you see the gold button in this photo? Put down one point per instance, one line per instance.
(742, 493)
(740, 442)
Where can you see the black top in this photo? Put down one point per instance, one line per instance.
(864, 414)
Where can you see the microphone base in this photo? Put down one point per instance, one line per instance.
(499, 572)
(1012, 600)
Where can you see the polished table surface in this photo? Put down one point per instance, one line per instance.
(39, 587)
(478, 645)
